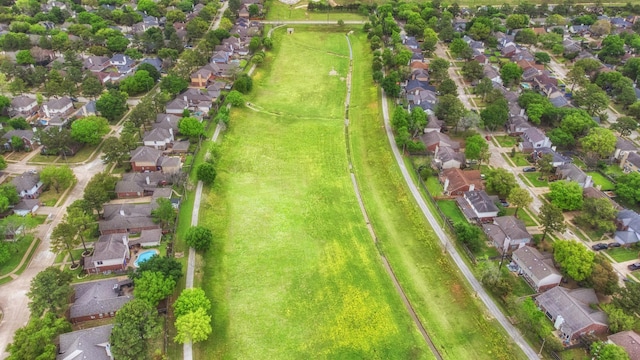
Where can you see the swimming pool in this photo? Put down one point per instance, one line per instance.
(144, 256)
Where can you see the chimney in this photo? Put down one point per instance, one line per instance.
(122, 212)
(553, 148)
(45, 107)
(125, 240)
(147, 180)
(185, 98)
(90, 61)
(171, 132)
(472, 187)
(445, 186)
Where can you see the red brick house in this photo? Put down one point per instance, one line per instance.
(97, 300)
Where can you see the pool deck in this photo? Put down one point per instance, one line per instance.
(133, 263)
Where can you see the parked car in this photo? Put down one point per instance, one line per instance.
(598, 247)
(504, 203)
(614, 245)
(634, 266)
(529, 169)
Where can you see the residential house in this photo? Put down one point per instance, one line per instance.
(533, 138)
(158, 138)
(110, 253)
(558, 99)
(571, 46)
(426, 99)
(92, 343)
(200, 99)
(177, 106)
(56, 111)
(28, 142)
(456, 182)
(579, 29)
(557, 159)
(595, 193)
(630, 162)
(572, 312)
(23, 106)
(167, 121)
(180, 147)
(170, 164)
(420, 74)
(446, 157)
(507, 233)
(144, 159)
(96, 63)
(202, 77)
(508, 51)
(491, 73)
(623, 147)
(147, 238)
(537, 270)
(135, 185)
(517, 125)
(433, 124)
(26, 207)
(419, 65)
(219, 57)
(571, 172)
(628, 340)
(155, 62)
(88, 109)
(96, 300)
(416, 85)
(28, 185)
(628, 227)
(434, 139)
(477, 205)
(127, 218)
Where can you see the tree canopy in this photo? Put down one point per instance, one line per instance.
(37, 339)
(191, 300)
(574, 259)
(199, 238)
(136, 322)
(566, 195)
(551, 219)
(191, 127)
(58, 177)
(500, 181)
(474, 147)
(49, 292)
(153, 286)
(194, 326)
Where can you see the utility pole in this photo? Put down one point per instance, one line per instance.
(542, 347)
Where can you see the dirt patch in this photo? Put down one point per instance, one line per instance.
(457, 291)
(333, 72)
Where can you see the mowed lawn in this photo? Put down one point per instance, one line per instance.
(293, 273)
(457, 322)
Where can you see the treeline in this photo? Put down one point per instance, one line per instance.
(324, 6)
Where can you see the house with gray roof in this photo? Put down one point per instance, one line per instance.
(557, 158)
(433, 124)
(23, 106)
(628, 227)
(145, 159)
(477, 205)
(135, 185)
(158, 138)
(517, 125)
(537, 270)
(147, 238)
(28, 185)
(507, 233)
(571, 172)
(110, 253)
(155, 62)
(491, 73)
(533, 138)
(623, 147)
(572, 313)
(631, 162)
(28, 141)
(96, 300)
(127, 219)
(26, 207)
(558, 100)
(628, 340)
(177, 106)
(56, 112)
(447, 158)
(92, 343)
(167, 121)
(435, 139)
(96, 63)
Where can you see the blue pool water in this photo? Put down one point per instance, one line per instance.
(144, 256)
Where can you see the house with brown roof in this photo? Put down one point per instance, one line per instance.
(435, 139)
(507, 233)
(456, 182)
(628, 340)
(537, 270)
(110, 253)
(573, 312)
(97, 300)
(127, 218)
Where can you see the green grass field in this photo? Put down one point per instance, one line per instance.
(623, 254)
(281, 11)
(294, 273)
(521, 160)
(451, 210)
(506, 141)
(599, 179)
(17, 250)
(522, 215)
(533, 177)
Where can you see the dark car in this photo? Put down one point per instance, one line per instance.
(613, 245)
(504, 203)
(529, 169)
(598, 247)
(634, 266)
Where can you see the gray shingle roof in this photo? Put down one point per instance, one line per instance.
(109, 247)
(25, 181)
(512, 227)
(480, 201)
(634, 158)
(96, 297)
(630, 341)
(573, 306)
(625, 145)
(92, 343)
(573, 173)
(27, 134)
(145, 154)
(533, 260)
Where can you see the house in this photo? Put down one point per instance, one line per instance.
(219, 57)
(623, 147)
(26, 136)
(147, 238)
(127, 218)
(92, 343)
(26, 207)
(595, 193)
(508, 51)
(55, 111)
(533, 138)
(572, 313)
(630, 162)
(180, 147)
(579, 29)
(155, 62)
(170, 164)
(557, 159)
(433, 124)
(435, 139)
(423, 98)
(167, 121)
(477, 205)
(571, 172)
(23, 106)
(158, 138)
(419, 65)
(202, 77)
(537, 270)
(145, 159)
(628, 226)
(28, 185)
(135, 185)
(420, 74)
(628, 340)
(96, 63)
(417, 85)
(96, 300)
(517, 125)
(507, 233)
(110, 253)
(88, 109)
(491, 73)
(558, 100)
(200, 99)
(456, 182)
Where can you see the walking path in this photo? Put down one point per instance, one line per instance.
(444, 239)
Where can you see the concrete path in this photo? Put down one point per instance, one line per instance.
(311, 22)
(446, 242)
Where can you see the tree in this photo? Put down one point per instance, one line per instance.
(63, 237)
(90, 129)
(91, 86)
(199, 238)
(625, 125)
(54, 84)
(500, 181)
(545, 164)
(574, 259)
(24, 57)
(136, 322)
(390, 85)
(244, 84)
(37, 339)
(601, 27)
(152, 287)
(430, 40)
(168, 266)
(438, 69)
(191, 300)
(510, 73)
(173, 84)
(607, 351)
(49, 292)
(542, 57)
(5, 252)
(448, 87)
(148, 7)
(460, 49)
(599, 142)
(82, 221)
(603, 277)
(196, 28)
(235, 98)
(164, 214)
(517, 21)
(526, 36)
(474, 145)
(612, 49)
(469, 235)
(618, 319)
(628, 187)
(114, 151)
(450, 109)
(191, 127)
(520, 198)
(20, 226)
(576, 77)
(484, 87)
(495, 115)
(113, 104)
(99, 190)
(551, 219)
(193, 327)
(627, 298)
(598, 214)
(566, 195)
(58, 177)
(469, 120)
(139, 83)
(472, 70)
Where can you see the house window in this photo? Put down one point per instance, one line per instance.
(99, 262)
(101, 316)
(92, 317)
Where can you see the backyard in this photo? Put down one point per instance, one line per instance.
(602, 181)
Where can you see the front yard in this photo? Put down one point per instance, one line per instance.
(534, 178)
(522, 215)
(506, 141)
(521, 159)
(622, 254)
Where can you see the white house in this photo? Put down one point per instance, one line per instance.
(28, 185)
(507, 233)
(533, 138)
(538, 271)
(158, 138)
(110, 253)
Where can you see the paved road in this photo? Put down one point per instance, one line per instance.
(466, 99)
(444, 239)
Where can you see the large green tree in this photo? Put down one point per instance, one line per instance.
(598, 214)
(474, 147)
(191, 300)
(164, 214)
(450, 109)
(153, 286)
(500, 181)
(113, 104)
(566, 195)
(168, 266)
(194, 327)
(607, 351)
(591, 98)
(136, 322)
(199, 238)
(49, 292)
(63, 238)
(37, 340)
(520, 198)
(510, 73)
(599, 142)
(551, 219)
(99, 190)
(191, 127)
(58, 177)
(574, 259)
